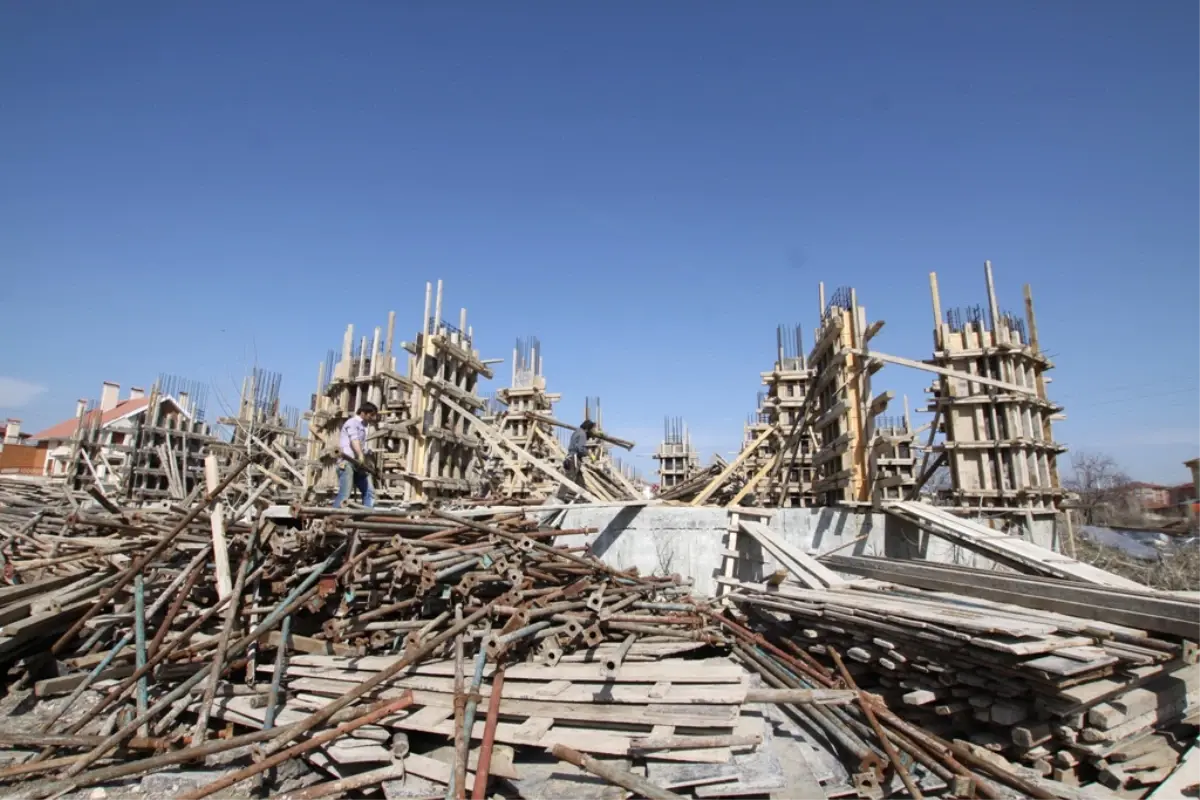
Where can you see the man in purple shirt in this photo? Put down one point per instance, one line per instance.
(351, 468)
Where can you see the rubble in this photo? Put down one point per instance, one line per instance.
(215, 629)
(353, 648)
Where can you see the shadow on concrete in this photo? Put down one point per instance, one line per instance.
(613, 530)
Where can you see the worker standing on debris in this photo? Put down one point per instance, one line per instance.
(577, 450)
(352, 465)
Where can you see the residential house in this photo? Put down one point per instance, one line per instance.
(17, 456)
(1149, 497)
(116, 422)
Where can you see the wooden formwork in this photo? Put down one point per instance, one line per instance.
(518, 417)
(998, 440)
(425, 447)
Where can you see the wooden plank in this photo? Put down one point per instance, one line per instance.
(949, 373)
(692, 716)
(531, 734)
(935, 613)
(520, 453)
(677, 694)
(705, 671)
(212, 481)
(804, 565)
(1184, 779)
(986, 541)
(716, 482)
(1131, 608)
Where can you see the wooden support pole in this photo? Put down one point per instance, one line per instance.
(993, 308)
(212, 479)
(937, 310)
(523, 455)
(716, 482)
(949, 373)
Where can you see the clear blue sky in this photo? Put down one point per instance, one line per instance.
(650, 188)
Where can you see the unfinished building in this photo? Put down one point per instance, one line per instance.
(893, 458)
(426, 444)
(603, 476)
(998, 442)
(168, 444)
(783, 404)
(522, 415)
(677, 458)
(842, 409)
(262, 424)
(143, 448)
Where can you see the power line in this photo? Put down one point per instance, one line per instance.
(1134, 397)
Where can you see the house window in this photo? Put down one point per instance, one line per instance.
(117, 438)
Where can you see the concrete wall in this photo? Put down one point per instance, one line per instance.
(690, 541)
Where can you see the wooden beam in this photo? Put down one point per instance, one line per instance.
(484, 431)
(604, 437)
(212, 480)
(716, 482)
(750, 484)
(949, 373)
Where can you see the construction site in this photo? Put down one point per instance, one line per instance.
(856, 604)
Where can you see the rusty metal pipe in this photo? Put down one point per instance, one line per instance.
(620, 777)
(888, 747)
(377, 713)
(147, 558)
(482, 769)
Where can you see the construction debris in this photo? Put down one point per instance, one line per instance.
(353, 648)
(186, 611)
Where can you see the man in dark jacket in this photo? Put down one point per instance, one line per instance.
(577, 449)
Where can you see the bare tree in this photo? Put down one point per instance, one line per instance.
(664, 549)
(937, 484)
(1100, 484)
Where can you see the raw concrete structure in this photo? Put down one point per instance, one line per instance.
(677, 458)
(783, 404)
(361, 375)
(693, 540)
(893, 458)
(262, 424)
(426, 447)
(842, 408)
(169, 443)
(518, 415)
(603, 477)
(752, 473)
(998, 442)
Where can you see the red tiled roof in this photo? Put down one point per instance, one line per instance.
(66, 428)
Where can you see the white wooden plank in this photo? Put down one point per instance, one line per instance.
(579, 692)
(707, 671)
(693, 716)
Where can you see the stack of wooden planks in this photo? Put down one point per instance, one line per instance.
(1065, 696)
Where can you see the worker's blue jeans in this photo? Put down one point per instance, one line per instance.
(350, 479)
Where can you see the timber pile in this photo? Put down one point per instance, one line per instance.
(1049, 695)
(349, 645)
(696, 483)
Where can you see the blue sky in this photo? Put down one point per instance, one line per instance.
(650, 188)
